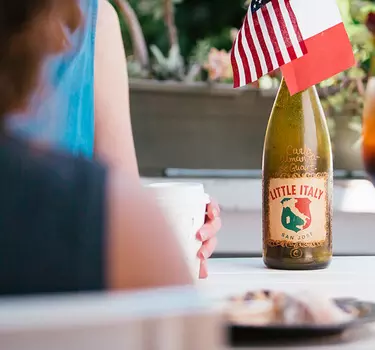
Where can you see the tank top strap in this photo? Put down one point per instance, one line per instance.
(63, 113)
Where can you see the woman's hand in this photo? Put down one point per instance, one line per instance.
(207, 234)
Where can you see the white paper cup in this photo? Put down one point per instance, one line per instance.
(184, 208)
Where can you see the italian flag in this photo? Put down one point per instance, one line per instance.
(329, 51)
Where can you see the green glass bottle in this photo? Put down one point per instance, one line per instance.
(297, 184)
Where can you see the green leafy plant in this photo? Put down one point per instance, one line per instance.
(169, 67)
(135, 69)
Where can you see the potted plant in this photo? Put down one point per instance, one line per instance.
(185, 113)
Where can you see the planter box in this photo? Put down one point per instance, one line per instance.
(198, 126)
(346, 155)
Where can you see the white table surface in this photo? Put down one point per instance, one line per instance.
(346, 277)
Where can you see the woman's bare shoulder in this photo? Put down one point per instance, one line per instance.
(107, 15)
(113, 133)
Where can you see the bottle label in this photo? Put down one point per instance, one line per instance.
(297, 210)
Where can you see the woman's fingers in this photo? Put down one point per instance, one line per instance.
(209, 229)
(207, 235)
(207, 248)
(213, 209)
(203, 273)
(204, 253)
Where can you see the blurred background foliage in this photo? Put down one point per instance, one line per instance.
(205, 24)
(195, 20)
(205, 30)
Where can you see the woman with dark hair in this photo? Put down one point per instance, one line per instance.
(84, 109)
(66, 223)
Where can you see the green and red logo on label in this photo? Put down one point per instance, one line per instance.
(296, 214)
(297, 209)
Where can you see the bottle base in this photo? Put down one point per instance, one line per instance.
(287, 265)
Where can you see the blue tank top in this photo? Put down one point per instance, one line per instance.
(62, 114)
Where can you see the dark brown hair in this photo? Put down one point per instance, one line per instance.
(30, 31)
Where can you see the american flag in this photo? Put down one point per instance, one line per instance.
(269, 38)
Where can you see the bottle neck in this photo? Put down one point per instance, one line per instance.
(284, 87)
(298, 102)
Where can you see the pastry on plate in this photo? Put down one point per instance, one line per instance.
(265, 307)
